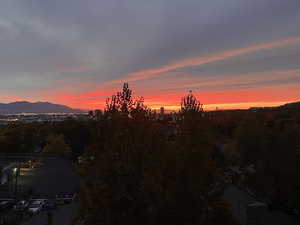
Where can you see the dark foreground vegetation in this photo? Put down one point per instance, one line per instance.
(140, 167)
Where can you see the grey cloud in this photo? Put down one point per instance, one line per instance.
(117, 37)
(284, 58)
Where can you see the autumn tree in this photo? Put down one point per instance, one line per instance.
(125, 100)
(139, 176)
(121, 102)
(139, 110)
(19, 137)
(56, 145)
(124, 104)
(112, 105)
(190, 104)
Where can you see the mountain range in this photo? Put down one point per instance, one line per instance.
(36, 107)
(292, 105)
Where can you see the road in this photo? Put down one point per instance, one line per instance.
(239, 201)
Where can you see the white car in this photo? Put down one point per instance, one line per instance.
(36, 206)
(21, 205)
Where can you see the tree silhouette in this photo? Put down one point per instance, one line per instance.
(190, 104)
(56, 145)
(139, 110)
(121, 102)
(125, 99)
(112, 105)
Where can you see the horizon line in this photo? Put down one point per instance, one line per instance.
(206, 107)
(221, 106)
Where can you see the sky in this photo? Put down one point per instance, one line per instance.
(231, 54)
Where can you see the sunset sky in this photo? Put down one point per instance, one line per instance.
(230, 53)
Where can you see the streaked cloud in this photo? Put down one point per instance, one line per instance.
(80, 52)
(236, 81)
(211, 58)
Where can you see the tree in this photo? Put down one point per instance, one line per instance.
(112, 105)
(190, 104)
(56, 145)
(121, 102)
(140, 111)
(139, 176)
(125, 99)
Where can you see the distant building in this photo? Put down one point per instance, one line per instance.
(162, 110)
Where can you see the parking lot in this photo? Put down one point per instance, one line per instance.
(53, 179)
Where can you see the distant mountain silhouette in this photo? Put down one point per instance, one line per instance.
(292, 105)
(288, 106)
(36, 107)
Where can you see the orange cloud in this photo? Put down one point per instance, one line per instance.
(221, 81)
(169, 96)
(228, 99)
(214, 91)
(10, 98)
(243, 105)
(219, 56)
(86, 100)
(208, 59)
(170, 99)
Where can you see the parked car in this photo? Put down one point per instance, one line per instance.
(21, 205)
(291, 211)
(60, 201)
(65, 198)
(6, 204)
(73, 196)
(51, 204)
(39, 196)
(36, 206)
(278, 204)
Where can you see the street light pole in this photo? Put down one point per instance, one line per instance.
(16, 180)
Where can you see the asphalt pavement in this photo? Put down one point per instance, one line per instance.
(240, 200)
(54, 176)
